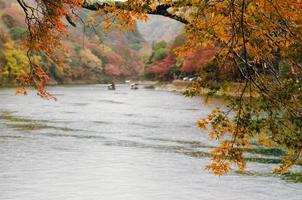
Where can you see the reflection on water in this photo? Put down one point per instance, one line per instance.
(99, 144)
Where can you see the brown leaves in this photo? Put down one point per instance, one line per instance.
(202, 124)
(121, 19)
(46, 29)
(224, 156)
(161, 68)
(38, 79)
(232, 142)
(194, 61)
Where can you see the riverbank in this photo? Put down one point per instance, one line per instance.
(180, 86)
(68, 83)
(175, 86)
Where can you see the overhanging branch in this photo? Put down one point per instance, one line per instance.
(161, 9)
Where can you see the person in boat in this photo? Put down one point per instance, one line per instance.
(134, 86)
(111, 86)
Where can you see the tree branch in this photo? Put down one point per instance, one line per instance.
(161, 9)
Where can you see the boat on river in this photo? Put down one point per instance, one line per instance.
(111, 86)
(134, 86)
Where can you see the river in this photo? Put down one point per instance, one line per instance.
(94, 144)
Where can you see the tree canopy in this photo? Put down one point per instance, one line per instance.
(257, 39)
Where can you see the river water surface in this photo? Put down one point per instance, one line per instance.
(94, 144)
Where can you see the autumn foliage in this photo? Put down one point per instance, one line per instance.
(257, 39)
(161, 68)
(198, 59)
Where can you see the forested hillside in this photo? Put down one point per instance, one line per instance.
(163, 63)
(159, 28)
(90, 55)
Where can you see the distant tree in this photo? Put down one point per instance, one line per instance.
(197, 59)
(159, 54)
(89, 60)
(159, 45)
(15, 63)
(179, 41)
(100, 56)
(8, 20)
(161, 69)
(115, 66)
(17, 33)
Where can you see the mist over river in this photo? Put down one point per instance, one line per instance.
(95, 144)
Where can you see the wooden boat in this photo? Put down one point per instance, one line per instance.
(134, 86)
(111, 86)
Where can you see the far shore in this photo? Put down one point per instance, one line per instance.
(178, 86)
